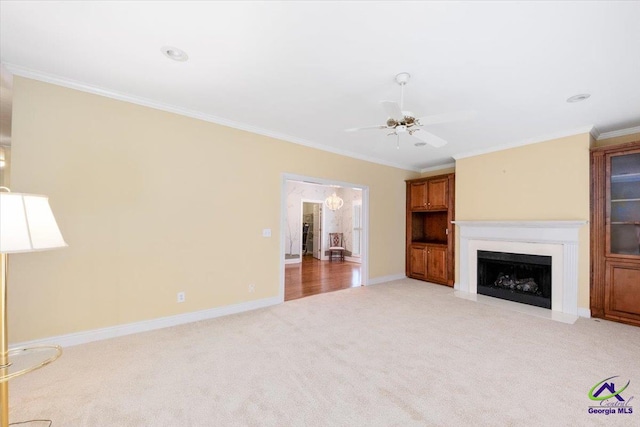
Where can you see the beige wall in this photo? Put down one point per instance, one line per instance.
(544, 181)
(152, 203)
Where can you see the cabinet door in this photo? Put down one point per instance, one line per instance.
(624, 205)
(622, 291)
(418, 196)
(418, 264)
(437, 193)
(437, 264)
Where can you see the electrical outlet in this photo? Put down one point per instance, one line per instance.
(181, 296)
(252, 288)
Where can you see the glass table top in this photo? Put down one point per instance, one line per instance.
(27, 359)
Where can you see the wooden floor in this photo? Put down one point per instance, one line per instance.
(312, 276)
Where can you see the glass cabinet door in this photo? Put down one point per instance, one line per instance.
(624, 208)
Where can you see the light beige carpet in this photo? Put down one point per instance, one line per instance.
(404, 353)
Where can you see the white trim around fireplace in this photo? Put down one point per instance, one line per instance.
(558, 239)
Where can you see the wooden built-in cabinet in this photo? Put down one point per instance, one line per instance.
(428, 262)
(430, 232)
(429, 195)
(615, 233)
(417, 262)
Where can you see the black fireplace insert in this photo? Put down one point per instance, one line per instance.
(521, 278)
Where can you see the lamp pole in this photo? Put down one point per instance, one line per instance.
(4, 344)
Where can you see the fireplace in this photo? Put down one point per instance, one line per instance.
(555, 239)
(515, 277)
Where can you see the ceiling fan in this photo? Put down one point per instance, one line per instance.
(401, 121)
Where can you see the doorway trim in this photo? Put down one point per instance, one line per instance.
(322, 225)
(364, 256)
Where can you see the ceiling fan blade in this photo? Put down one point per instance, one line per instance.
(365, 128)
(393, 110)
(455, 116)
(429, 138)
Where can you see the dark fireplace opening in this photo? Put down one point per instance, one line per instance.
(516, 277)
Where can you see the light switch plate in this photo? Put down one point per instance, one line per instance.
(266, 232)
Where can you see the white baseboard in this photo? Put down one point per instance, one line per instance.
(384, 279)
(353, 259)
(84, 337)
(293, 261)
(584, 312)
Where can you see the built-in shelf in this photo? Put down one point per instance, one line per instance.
(627, 177)
(615, 232)
(430, 242)
(430, 232)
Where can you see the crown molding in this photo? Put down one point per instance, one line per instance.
(145, 102)
(616, 133)
(528, 141)
(435, 168)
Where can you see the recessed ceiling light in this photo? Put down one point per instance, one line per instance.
(578, 98)
(174, 53)
(420, 144)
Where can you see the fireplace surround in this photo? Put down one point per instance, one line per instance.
(556, 239)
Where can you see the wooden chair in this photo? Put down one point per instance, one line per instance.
(336, 246)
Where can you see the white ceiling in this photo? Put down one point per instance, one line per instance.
(305, 71)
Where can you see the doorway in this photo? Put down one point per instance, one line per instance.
(305, 226)
(311, 229)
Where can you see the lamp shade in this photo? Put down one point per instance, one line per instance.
(27, 224)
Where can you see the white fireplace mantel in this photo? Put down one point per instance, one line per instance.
(558, 239)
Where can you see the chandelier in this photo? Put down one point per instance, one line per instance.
(334, 202)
